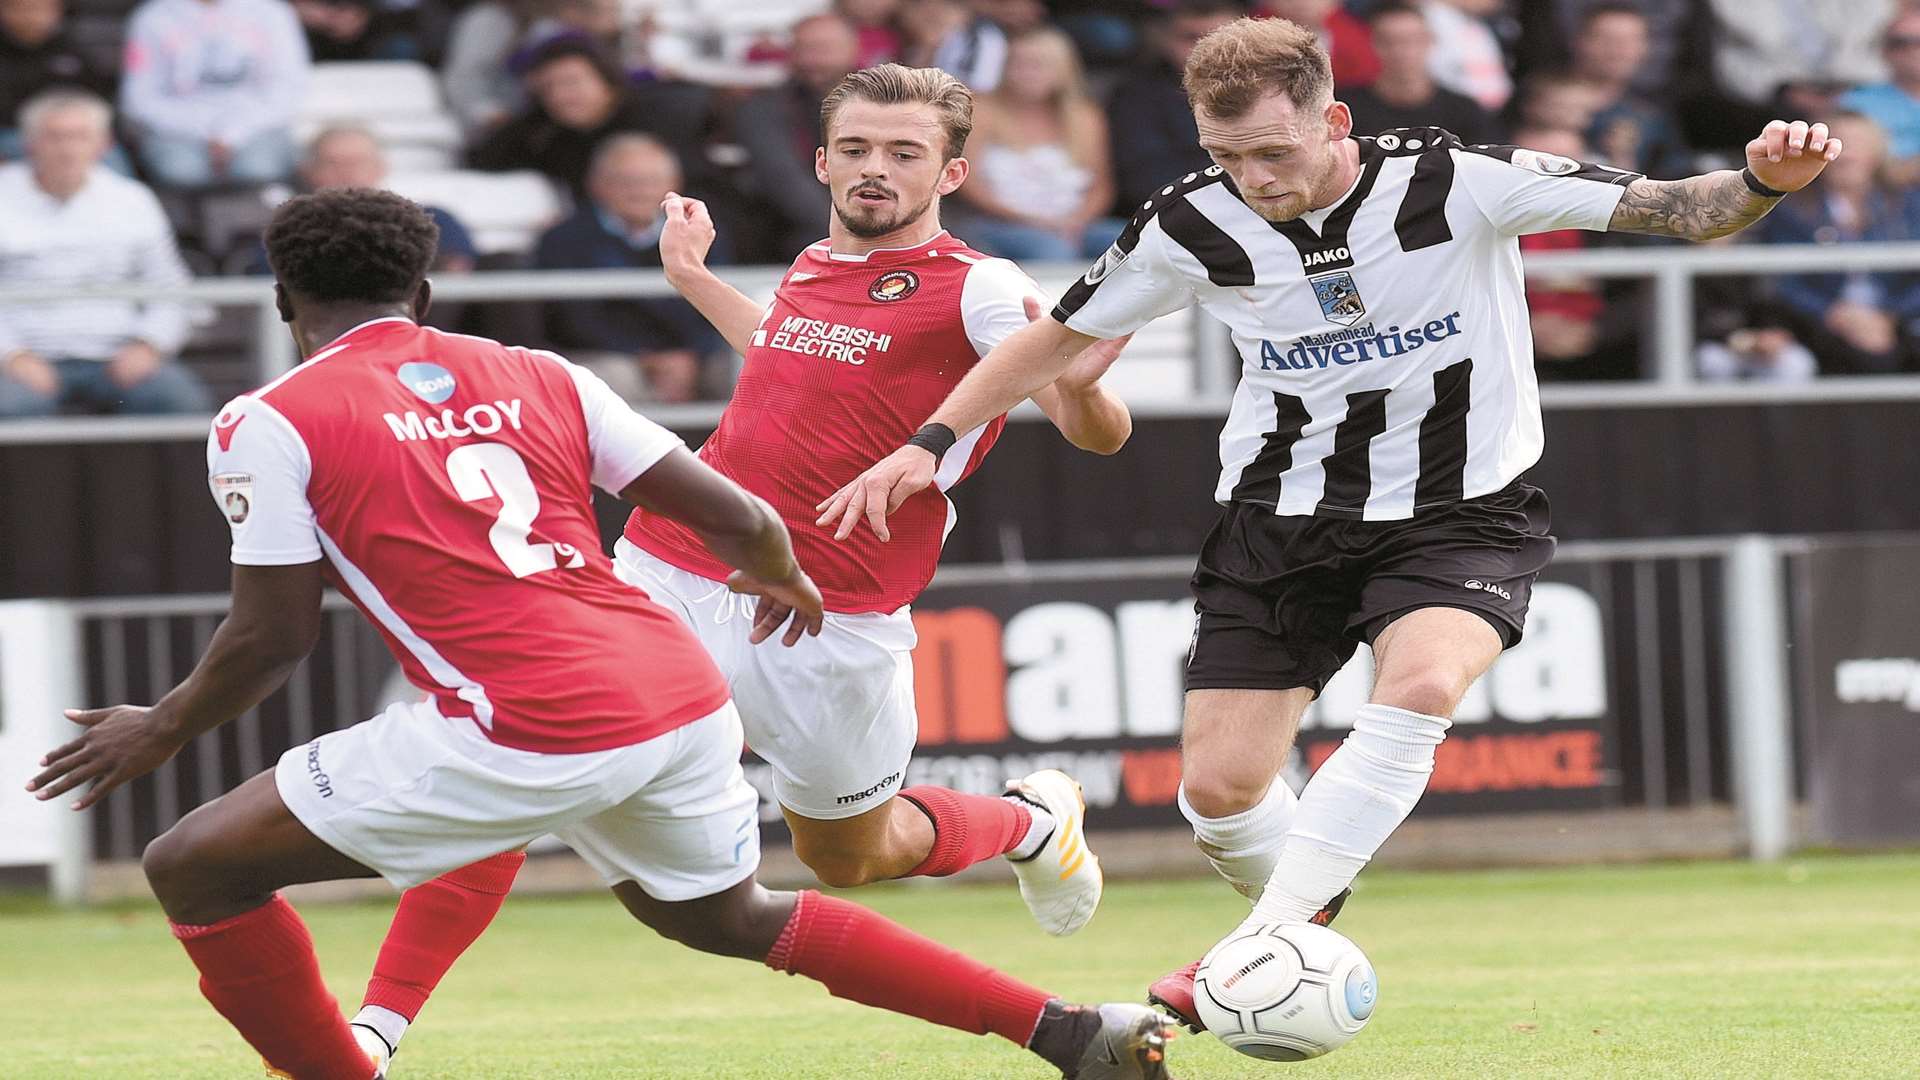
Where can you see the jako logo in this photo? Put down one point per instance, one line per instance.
(429, 382)
(1320, 258)
(1487, 586)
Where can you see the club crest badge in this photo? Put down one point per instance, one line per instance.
(894, 285)
(1339, 297)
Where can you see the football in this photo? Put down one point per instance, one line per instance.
(1285, 991)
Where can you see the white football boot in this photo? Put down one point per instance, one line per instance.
(376, 1048)
(1061, 882)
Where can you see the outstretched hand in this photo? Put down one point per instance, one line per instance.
(121, 743)
(878, 492)
(1788, 156)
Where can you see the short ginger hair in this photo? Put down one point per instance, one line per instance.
(1234, 67)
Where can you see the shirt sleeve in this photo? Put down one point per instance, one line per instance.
(1129, 286)
(1527, 191)
(164, 324)
(993, 302)
(257, 469)
(623, 443)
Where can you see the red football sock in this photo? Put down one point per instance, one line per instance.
(433, 925)
(259, 971)
(966, 828)
(863, 956)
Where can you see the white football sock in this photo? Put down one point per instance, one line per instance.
(1244, 846)
(1037, 834)
(391, 1025)
(1360, 795)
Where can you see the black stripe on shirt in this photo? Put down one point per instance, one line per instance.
(1422, 220)
(1260, 480)
(1174, 194)
(1443, 437)
(1227, 262)
(1350, 466)
(1330, 244)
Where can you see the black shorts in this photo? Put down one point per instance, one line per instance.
(1284, 601)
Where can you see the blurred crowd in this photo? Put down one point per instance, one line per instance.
(147, 142)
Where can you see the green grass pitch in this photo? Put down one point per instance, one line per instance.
(1809, 968)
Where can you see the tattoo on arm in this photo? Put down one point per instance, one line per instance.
(1697, 208)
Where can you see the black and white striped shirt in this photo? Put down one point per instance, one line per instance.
(1386, 355)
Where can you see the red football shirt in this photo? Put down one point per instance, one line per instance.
(446, 481)
(855, 352)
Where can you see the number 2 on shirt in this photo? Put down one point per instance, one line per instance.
(486, 470)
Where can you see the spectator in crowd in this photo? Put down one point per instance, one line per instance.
(37, 52)
(1895, 104)
(1556, 101)
(67, 220)
(967, 40)
(1762, 351)
(1341, 34)
(1042, 180)
(1150, 107)
(1467, 58)
(1855, 322)
(1574, 337)
(876, 23)
(780, 129)
(212, 87)
(579, 98)
(352, 157)
(1763, 46)
(1628, 132)
(1551, 28)
(651, 347)
(353, 30)
(1404, 94)
(479, 88)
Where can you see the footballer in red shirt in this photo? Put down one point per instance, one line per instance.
(867, 332)
(443, 484)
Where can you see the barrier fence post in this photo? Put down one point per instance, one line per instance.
(1756, 644)
(40, 674)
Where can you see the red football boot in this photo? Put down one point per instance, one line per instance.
(1173, 992)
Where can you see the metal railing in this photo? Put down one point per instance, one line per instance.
(1696, 662)
(1672, 270)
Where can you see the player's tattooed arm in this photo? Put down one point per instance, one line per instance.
(1697, 208)
(1783, 159)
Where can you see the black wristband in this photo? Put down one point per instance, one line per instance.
(935, 439)
(1754, 185)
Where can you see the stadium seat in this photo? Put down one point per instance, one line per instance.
(505, 212)
(399, 101)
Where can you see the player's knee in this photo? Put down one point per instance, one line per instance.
(1224, 789)
(737, 924)
(171, 865)
(1428, 692)
(839, 869)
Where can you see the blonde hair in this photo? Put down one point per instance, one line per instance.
(897, 84)
(1242, 62)
(1080, 119)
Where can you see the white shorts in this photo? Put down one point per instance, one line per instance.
(833, 715)
(412, 795)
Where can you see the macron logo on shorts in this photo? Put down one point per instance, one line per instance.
(862, 796)
(321, 781)
(1487, 586)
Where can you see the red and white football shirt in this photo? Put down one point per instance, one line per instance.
(855, 352)
(446, 481)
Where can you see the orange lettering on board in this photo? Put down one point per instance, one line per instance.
(1552, 759)
(1152, 777)
(959, 677)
